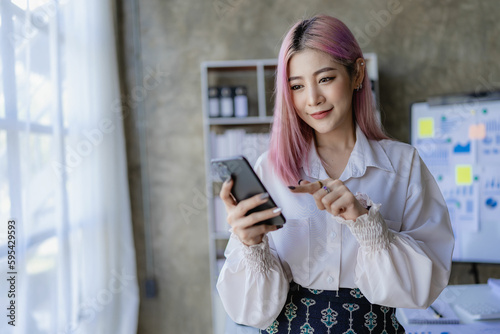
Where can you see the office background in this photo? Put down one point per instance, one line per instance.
(425, 48)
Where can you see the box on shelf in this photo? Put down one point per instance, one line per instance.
(239, 142)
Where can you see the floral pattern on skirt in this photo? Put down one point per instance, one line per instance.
(345, 311)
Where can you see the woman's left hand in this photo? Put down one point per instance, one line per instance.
(336, 198)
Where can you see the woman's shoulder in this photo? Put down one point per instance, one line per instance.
(402, 156)
(395, 148)
(262, 160)
(263, 166)
(265, 171)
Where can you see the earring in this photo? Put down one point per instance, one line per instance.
(362, 64)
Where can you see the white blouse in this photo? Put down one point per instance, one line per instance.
(398, 255)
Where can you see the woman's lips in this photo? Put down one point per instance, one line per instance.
(321, 114)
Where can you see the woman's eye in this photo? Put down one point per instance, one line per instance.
(295, 87)
(326, 79)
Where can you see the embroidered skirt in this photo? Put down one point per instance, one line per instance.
(345, 311)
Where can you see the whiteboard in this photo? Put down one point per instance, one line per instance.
(458, 138)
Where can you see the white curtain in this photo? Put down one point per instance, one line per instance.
(63, 174)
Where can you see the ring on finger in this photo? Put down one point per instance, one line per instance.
(327, 189)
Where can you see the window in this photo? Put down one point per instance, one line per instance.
(68, 253)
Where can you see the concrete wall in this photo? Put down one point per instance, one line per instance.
(425, 48)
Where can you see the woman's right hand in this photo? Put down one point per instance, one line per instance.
(244, 226)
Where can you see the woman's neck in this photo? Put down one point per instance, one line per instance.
(338, 140)
(334, 149)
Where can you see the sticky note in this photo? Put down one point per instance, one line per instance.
(477, 131)
(463, 175)
(426, 127)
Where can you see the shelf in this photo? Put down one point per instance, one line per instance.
(239, 120)
(246, 135)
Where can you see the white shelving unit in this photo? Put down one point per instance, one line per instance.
(258, 77)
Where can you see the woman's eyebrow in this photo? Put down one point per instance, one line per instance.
(324, 69)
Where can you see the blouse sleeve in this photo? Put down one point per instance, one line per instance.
(407, 268)
(252, 284)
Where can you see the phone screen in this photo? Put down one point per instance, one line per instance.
(246, 184)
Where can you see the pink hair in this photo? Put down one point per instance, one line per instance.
(290, 136)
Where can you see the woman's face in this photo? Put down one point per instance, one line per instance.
(321, 90)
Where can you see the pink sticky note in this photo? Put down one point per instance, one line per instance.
(477, 131)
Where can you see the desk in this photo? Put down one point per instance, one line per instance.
(450, 295)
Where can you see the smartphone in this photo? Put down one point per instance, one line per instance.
(245, 184)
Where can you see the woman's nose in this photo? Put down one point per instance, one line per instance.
(314, 97)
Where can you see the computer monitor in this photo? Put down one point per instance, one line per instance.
(458, 138)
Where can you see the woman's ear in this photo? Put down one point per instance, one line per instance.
(360, 66)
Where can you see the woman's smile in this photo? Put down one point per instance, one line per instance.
(321, 114)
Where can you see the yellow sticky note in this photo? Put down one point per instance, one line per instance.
(426, 127)
(463, 175)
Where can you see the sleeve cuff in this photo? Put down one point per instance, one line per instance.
(369, 229)
(257, 258)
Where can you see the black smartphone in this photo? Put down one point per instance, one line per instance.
(245, 184)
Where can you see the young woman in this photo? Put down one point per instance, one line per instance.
(367, 227)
